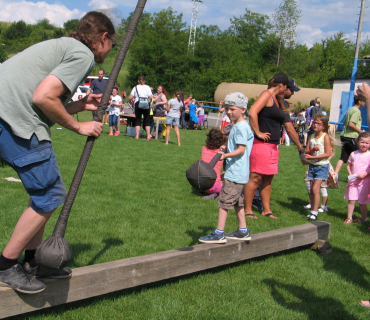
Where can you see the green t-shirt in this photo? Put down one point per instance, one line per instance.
(353, 115)
(66, 58)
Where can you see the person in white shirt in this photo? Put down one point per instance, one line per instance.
(142, 91)
(114, 111)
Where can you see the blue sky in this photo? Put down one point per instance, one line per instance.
(320, 18)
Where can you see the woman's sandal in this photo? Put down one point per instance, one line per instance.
(347, 221)
(251, 215)
(361, 220)
(270, 215)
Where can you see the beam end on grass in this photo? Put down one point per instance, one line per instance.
(99, 279)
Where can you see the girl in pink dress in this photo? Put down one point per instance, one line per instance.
(358, 169)
(215, 139)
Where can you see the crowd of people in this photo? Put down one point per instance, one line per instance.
(249, 151)
(147, 105)
(269, 118)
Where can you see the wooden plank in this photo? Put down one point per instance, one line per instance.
(113, 276)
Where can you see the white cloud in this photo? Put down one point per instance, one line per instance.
(30, 12)
(320, 18)
(102, 4)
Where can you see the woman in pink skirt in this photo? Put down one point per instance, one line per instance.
(266, 117)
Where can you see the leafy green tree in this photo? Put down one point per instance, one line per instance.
(18, 30)
(71, 25)
(3, 54)
(286, 19)
(250, 30)
(45, 23)
(159, 49)
(58, 33)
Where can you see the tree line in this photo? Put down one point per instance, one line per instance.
(251, 50)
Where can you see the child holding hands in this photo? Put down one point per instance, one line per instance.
(358, 169)
(239, 146)
(318, 152)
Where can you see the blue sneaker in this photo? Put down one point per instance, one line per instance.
(213, 238)
(238, 235)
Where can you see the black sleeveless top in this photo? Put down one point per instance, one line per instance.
(270, 119)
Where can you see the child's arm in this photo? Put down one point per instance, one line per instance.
(327, 148)
(236, 153)
(363, 175)
(313, 150)
(349, 171)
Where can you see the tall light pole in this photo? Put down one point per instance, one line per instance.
(193, 25)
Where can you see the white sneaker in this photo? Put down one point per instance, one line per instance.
(308, 207)
(324, 209)
(320, 210)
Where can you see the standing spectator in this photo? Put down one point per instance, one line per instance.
(318, 152)
(173, 116)
(185, 113)
(256, 200)
(159, 106)
(266, 117)
(313, 112)
(141, 90)
(193, 114)
(352, 128)
(239, 146)
(308, 119)
(289, 131)
(358, 187)
(57, 68)
(364, 90)
(200, 113)
(97, 86)
(124, 97)
(225, 119)
(114, 111)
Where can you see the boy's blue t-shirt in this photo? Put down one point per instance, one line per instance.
(237, 168)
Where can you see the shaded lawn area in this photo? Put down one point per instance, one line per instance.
(134, 199)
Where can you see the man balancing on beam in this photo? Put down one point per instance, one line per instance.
(36, 86)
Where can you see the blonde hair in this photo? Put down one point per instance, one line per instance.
(325, 121)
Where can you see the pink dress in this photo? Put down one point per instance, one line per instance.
(207, 155)
(359, 189)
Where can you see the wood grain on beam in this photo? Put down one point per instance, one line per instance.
(99, 279)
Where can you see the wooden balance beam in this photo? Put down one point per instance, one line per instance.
(99, 279)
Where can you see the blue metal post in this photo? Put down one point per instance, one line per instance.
(353, 84)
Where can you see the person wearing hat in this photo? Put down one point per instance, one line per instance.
(352, 128)
(266, 117)
(239, 146)
(289, 130)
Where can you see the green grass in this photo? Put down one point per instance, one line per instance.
(134, 199)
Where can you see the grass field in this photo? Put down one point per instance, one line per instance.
(134, 199)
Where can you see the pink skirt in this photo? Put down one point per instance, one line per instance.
(264, 158)
(358, 190)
